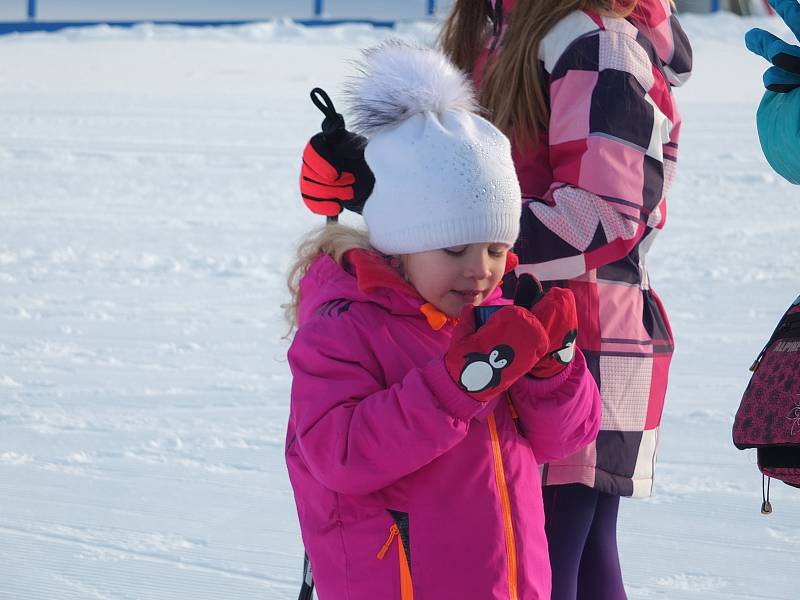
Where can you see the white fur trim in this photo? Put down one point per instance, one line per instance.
(397, 80)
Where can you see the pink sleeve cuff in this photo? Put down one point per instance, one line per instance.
(542, 387)
(451, 398)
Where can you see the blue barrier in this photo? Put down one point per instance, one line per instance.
(32, 24)
(319, 9)
(50, 26)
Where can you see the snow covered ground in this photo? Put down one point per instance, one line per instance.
(148, 209)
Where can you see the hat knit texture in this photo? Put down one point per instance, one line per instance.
(443, 174)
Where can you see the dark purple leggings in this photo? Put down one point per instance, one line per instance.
(581, 527)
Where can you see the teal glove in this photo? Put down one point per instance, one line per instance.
(778, 121)
(784, 76)
(778, 117)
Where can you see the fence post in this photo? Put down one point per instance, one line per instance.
(318, 8)
(431, 7)
(31, 10)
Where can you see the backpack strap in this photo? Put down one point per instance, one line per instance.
(771, 339)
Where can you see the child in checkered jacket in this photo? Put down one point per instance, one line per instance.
(584, 90)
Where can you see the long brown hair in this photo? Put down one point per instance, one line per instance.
(512, 89)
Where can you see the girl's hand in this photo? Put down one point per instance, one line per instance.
(555, 310)
(486, 362)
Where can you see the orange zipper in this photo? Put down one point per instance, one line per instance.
(393, 532)
(505, 503)
(406, 589)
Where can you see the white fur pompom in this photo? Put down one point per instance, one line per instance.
(397, 80)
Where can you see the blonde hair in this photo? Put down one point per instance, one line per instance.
(523, 114)
(333, 240)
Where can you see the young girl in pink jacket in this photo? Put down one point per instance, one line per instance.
(415, 431)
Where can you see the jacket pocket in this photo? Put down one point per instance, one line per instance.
(399, 532)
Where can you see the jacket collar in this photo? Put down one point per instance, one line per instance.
(369, 277)
(373, 272)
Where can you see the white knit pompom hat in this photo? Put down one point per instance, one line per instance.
(443, 175)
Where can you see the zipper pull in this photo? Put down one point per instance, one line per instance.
(513, 410)
(515, 416)
(766, 506)
(393, 531)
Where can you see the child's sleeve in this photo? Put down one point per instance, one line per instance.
(560, 414)
(613, 134)
(355, 434)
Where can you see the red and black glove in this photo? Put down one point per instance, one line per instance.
(488, 361)
(334, 173)
(555, 310)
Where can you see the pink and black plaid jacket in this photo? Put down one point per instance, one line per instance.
(595, 190)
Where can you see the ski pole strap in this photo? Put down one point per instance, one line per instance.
(307, 589)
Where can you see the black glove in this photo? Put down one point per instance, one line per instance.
(334, 173)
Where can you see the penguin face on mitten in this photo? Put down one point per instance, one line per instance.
(483, 371)
(565, 354)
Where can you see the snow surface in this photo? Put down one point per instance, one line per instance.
(148, 210)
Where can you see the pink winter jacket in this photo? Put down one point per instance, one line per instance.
(405, 486)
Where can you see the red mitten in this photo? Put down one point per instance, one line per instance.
(555, 310)
(486, 362)
(334, 172)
